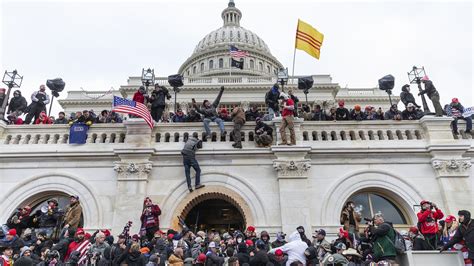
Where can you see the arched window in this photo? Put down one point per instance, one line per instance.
(187, 73)
(194, 69)
(370, 203)
(202, 67)
(211, 64)
(268, 69)
(221, 63)
(252, 64)
(260, 66)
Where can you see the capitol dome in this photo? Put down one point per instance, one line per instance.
(211, 56)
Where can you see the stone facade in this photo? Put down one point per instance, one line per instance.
(275, 188)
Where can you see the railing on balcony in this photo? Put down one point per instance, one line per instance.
(308, 132)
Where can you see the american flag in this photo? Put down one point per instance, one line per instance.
(83, 248)
(237, 53)
(122, 105)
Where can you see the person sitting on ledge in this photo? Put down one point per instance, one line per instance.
(209, 112)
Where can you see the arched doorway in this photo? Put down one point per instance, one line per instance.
(213, 202)
(215, 214)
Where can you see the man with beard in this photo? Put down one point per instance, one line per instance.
(76, 244)
(39, 100)
(17, 103)
(72, 216)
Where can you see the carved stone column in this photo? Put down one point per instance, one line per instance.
(297, 126)
(292, 173)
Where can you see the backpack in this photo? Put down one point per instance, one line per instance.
(398, 242)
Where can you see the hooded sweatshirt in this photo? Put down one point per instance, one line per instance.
(295, 249)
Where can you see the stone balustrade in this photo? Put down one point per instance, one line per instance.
(307, 132)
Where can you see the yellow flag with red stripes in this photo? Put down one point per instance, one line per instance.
(308, 39)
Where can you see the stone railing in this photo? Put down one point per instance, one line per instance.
(308, 133)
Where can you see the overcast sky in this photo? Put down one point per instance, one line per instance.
(99, 44)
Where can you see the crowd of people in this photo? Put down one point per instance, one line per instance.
(51, 236)
(278, 103)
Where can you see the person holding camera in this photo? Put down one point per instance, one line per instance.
(428, 218)
(382, 236)
(157, 99)
(39, 101)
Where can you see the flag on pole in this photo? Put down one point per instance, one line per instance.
(121, 105)
(237, 64)
(308, 39)
(237, 53)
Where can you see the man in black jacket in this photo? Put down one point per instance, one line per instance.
(406, 97)
(464, 232)
(433, 94)
(263, 134)
(158, 99)
(39, 100)
(17, 103)
(209, 112)
(271, 100)
(341, 112)
(259, 257)
(189, 160)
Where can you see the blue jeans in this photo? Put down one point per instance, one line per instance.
(188, 163)
(218, 121)
(272, 113)
(468, 119)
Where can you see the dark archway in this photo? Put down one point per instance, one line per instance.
(215, 214)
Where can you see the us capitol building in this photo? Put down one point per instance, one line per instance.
(387, 166)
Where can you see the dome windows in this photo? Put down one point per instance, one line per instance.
(211, 64)
(252, 64)
(260, 66)
(268, 69)
(194, 69)
(221, 63)
(202, 67)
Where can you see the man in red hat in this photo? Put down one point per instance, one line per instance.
(456, 110)
(12, 240)
(428, 223)
(77, 244)
(341, 112)
(150, 218)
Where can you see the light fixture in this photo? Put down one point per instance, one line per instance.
(12, 80)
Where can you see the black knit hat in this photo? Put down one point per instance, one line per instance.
(466, 214)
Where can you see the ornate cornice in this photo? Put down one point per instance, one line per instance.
(128, 171)
(451, 168)
(292, 169)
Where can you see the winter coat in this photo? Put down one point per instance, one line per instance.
(158, 98)
(138, 97)
(132, 259)
(414, 115)
(261, 127)
(98, 248)
(190, 147)
(464, 232)
(24, 261)
(210, 111)
(390, 115)
(243, 257)
(406, 97)
(152, 219)
(16, 244)
(251, 115)
(318, 116)
(342, 114)
(179, 118)
(273, 260)
(358, 116)
(295, 101)
(238, 115)
(72, 215)
(39, 100)
(345, 219)
(295, 248)
(17, 104)
(271, 99)
(50, 220)
(175, 261)
(430, 89)
(59, 121)
(428, 220)
(214, 260)
(193, 117)
(383, 242)
(260, 258)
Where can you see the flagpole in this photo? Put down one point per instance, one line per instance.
(230, 62)
(294, 56)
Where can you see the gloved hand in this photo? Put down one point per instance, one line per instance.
(443, 248)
